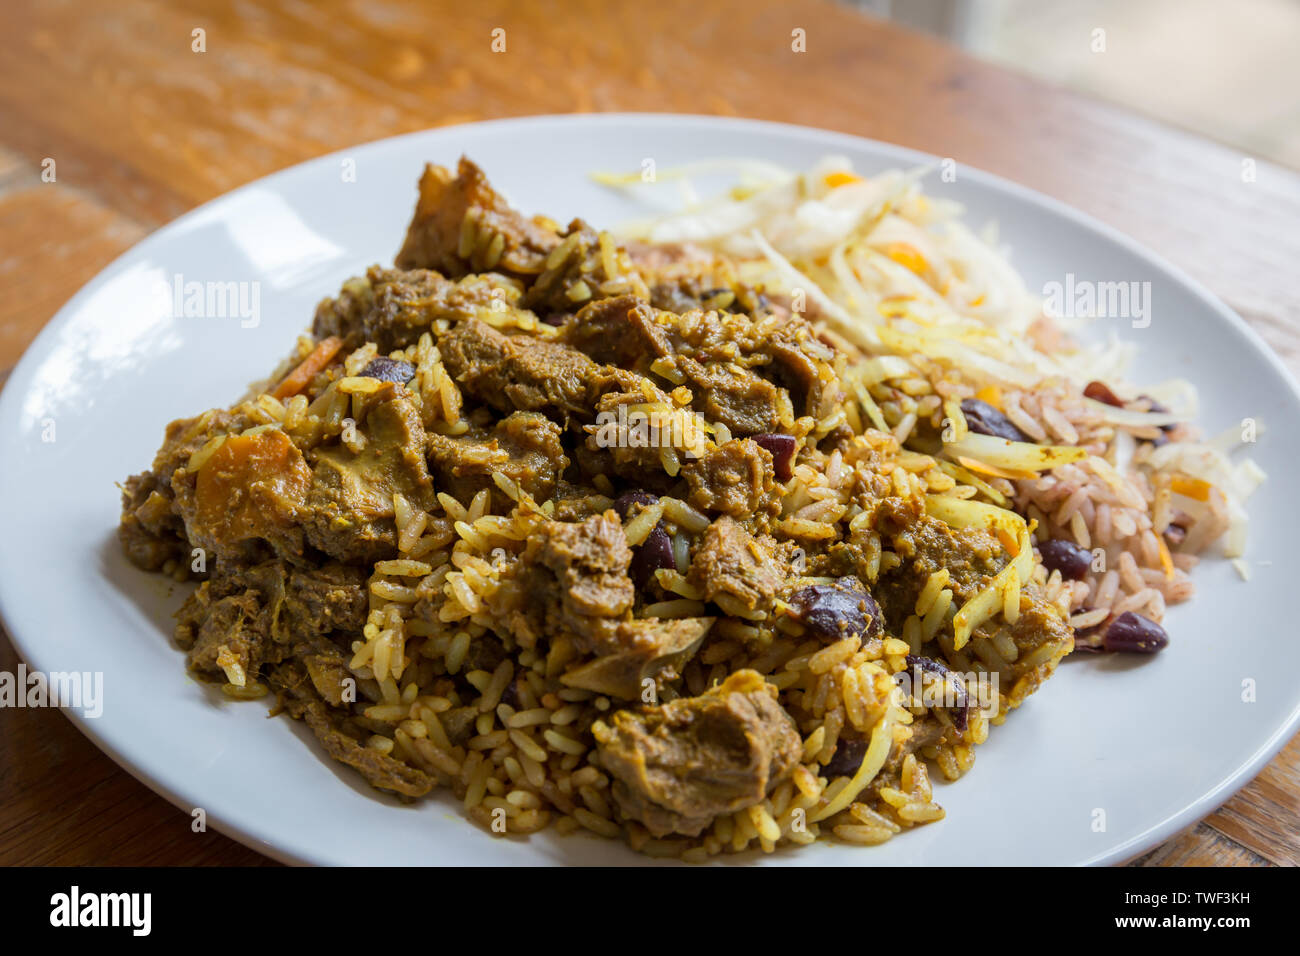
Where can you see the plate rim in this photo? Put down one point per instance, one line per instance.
(36, 351)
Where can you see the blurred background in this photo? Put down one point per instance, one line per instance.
(1226, 69)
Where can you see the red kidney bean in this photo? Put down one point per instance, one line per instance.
(655, 552)
(1067, 557)
(1100, 392)
(832, 612)
(848, 756)
(962, 703)
(983, 419)
(1134, 634)
(782, 449)
(624, 502)
(389, 370)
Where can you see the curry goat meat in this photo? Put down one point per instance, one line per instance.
(583, 533)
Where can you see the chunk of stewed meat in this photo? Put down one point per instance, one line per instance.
(571, 580)
(833, 612)
(349, 506)
(522, 373)
(461, 224)
(618, 331)
(301, 699)
(736, 479)
(524, 447)
(640, 654)
(682, 764)
(733, 565)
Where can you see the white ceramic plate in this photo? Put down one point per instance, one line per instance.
(1143, 746)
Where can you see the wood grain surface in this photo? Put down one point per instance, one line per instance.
(141, 128)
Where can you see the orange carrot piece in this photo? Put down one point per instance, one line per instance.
(907, 256)
(1166, 559)
(309, 367)
(1194, 488)
(841, 179)
(1011, 474)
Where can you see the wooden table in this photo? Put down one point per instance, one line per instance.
(142, 128)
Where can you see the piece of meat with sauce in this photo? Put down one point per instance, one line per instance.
(301, 699)
(327, 668)
(804, 366)
(152, 528)
(570, 580)
(349, 504)
(755, 374)
(521, 373)
(235, 627)
(151, 531)
(925, 544)
(392, 308)
(640, 651)
(325, 600)
(583, 267)
(680, 765)
(256, 612)
(628, 441)
(752, 375)
(736, 478)
(739, 398)
(252, 488)
(524, 446)
(732, 564)
(461, 224)
(622, 331)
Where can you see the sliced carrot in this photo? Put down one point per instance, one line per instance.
(250, 487)
(1011, 474)
(309, 367)
(841, 179)
(907, 256)
(991, 394)
(1194, 488)
(1166, 559)
(1008, 541)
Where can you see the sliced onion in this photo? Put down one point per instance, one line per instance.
(964, 513)
(882, 739)
(1014, 455)
(1130, 418)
